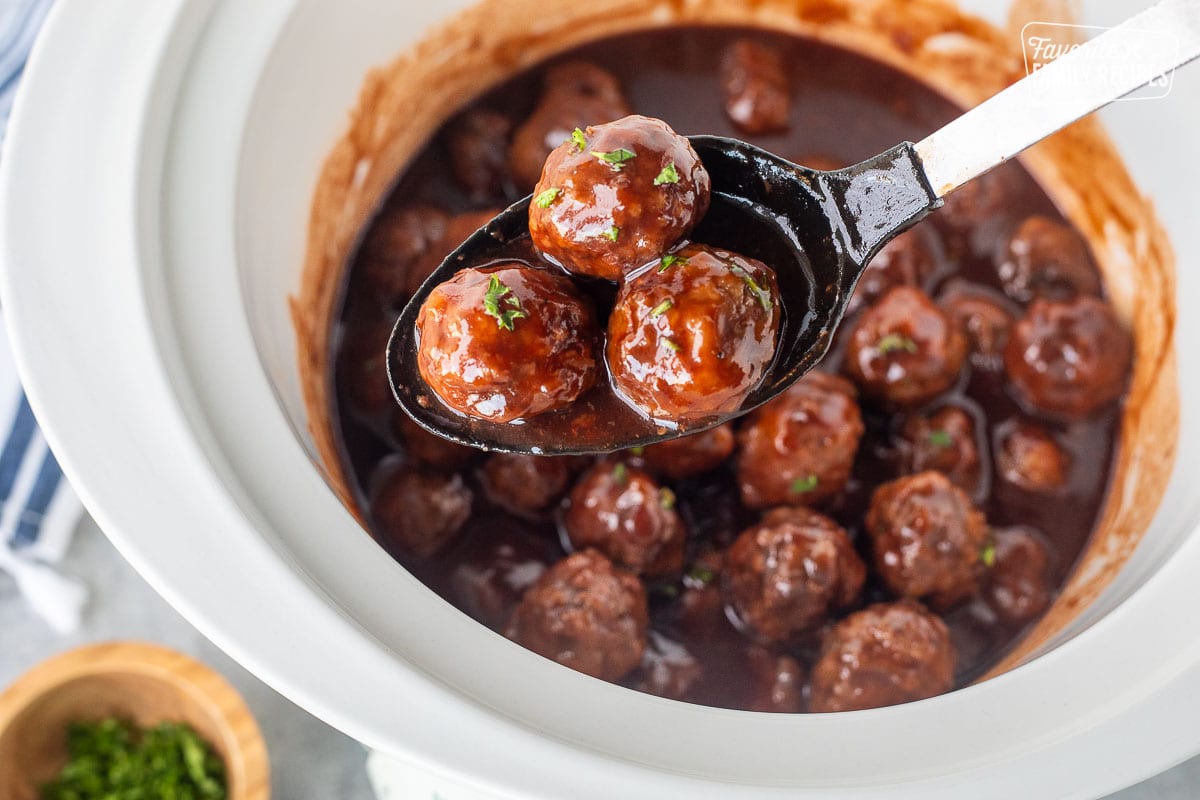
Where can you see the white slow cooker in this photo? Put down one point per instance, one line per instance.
(157, 180)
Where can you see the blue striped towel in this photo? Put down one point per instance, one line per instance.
(38, 510)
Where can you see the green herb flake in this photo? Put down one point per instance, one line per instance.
(669, 590)
(940, 439)
(661, 309)
(115, 760)
(579, 139)
(702, 574)
(804, 485)
(613, 233)
(496, 292)
(894, 342)
(616, 158)
(668, 175)
(638, 451)
(668, 261)
(666, 499)
(987, 556)
(672, 345)
(763, 295)
(546, 199)
(620, 474)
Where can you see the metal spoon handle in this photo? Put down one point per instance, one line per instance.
(1143, 48)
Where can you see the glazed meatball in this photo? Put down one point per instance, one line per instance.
(973, 204)
(397, 244)
(776, 682)
(585, 614)
(1047, 260)
(668, 669)
(985, 318)
(927, 537)
(800, 447)
(456, 231)
(907, 260)
(1029, 457)
(701, 611)
(421, 445)
(362, 367)
(477, 143)
(417, 509)
(1068, 359)
(576, 95)
(624, 514)
(614, 197)
(886, 654)
(499, 561)
(525, 484)
(904, 349)
(692, 338)
(785, 575)
(691, 455)
(758, 97)
(947, 441)
(1018, 585)
(507, 342)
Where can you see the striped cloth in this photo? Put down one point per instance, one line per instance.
(38, 510)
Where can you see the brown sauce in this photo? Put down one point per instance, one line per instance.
(845, 108)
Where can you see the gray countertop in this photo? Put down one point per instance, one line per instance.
(309, 760)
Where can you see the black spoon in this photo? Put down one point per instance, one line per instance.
(818, 229)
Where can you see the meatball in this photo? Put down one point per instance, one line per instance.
(507, 342)
(785, 575)
(1047, 260)
(585, 614)
(886, 654)
(904, 349)
(984, 318)
(617, 196)
(693, 337)
(421, 445)
(701, 611)
(1028, 457)
(399, 240)
(776, 681)
(1068, 359)
(417, 509)
(362, 367)
(457, 231)
(758, 97)
(800, 447)
(947, 441)
(624, 514)
(973, 204)
(926, 537)
(477, 143)
(1018, 586)
(907, 260)
(577, 94)
(690, 455)
(668, 669)
(525, 484)
(498, 562)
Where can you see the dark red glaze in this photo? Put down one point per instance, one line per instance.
(799, 448)
(692, 339)
(586, 614)
(618, 197)
(542, 359)
(886, 654)
(690, 455)
(758, 94)
(1047, 260)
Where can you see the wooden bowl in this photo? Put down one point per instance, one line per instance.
(140, 682)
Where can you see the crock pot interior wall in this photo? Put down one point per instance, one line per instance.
(965, 58)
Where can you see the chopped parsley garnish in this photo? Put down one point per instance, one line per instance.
(638, 451)
(497, 291)
(672, 344)
(988, 554)
(940, 439)
(804, 485)
(579, 139)
(763, 295)
(668, 175)
(894, 341)
(115, 760)
(702, 574)
(661, 309)
(546, 199)
(669, 261)
(616, 158)
(620, 474)
(666, 499)
(612, 233)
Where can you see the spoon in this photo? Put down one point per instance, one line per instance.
(818, 229)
